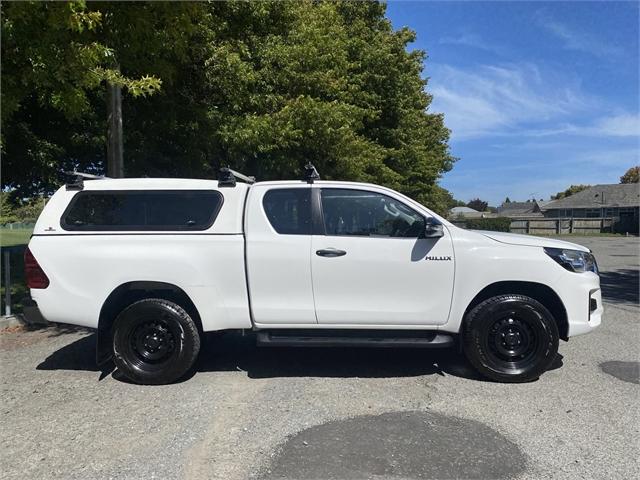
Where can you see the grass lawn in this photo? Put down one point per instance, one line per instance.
(9, 237)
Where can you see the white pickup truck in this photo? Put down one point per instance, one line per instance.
(152, 264)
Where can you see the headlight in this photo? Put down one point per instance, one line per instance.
(573, 260)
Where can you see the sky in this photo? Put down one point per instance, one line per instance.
(537, 95)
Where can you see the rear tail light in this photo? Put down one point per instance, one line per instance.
(36, 278)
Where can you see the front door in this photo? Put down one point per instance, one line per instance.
(372, 268)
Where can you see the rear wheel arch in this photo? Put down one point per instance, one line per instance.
(129, 293)
(537, 291)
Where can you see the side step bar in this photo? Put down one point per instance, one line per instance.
(354, 338)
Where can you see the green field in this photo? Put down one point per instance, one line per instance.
(9, 237)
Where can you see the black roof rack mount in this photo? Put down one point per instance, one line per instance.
(78, 178)
(310, 173)
(227, 177)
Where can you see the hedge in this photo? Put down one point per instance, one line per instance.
(497, 224)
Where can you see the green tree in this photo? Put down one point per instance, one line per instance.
(479, 205)
(569, 191)
(56, 60)
(631, 176)
(54, 50)
(261, 86)
(7, 214)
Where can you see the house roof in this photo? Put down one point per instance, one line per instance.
(463, 210)
(599, 196)
(542, 204)
(517, 208)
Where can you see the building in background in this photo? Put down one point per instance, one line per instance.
(601, 208)
(464, 212)
(620, 202)
(532, 208)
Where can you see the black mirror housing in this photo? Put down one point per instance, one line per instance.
(433, 228)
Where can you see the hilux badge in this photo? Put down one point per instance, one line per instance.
(438, 258)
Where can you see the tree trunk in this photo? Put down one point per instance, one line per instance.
(115, 162)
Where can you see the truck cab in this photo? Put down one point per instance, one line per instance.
(153, 264)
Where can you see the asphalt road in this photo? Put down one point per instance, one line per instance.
(305, 413)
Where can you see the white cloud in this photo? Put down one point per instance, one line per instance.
(578, 41)
(521, 100)
(474, 41)
(501, 99)
(619, 125)
(624, 125)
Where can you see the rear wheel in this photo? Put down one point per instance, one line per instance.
(510, 338)
(155, 341)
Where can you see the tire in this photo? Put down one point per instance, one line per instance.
(510, 338)
(155, 342)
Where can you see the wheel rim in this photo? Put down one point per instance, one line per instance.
(514, 340)
(511, 339)
(152, 341)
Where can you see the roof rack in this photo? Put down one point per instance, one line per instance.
(310, 173)
(77, 183)
(227, 177)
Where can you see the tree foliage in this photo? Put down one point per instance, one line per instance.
(26, 211)
(261, 86)
(54, 52)
(477, 204)
(631, 176)
(569, 191)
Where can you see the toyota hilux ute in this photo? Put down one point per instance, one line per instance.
(153, 264)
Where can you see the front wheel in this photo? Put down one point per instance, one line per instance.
(510, 338)
(155, 342)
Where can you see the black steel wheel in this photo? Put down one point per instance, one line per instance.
(155, 341)
(510, 338)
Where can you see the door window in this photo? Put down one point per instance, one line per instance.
(363, 213)
(289, 210)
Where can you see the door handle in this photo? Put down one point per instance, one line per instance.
(330, 252)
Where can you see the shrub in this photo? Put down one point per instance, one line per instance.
(498, 224)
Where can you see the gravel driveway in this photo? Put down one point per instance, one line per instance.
(330, 413)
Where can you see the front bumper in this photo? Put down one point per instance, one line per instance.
(582, 298)
(595, 308)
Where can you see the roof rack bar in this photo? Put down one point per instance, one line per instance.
(227, 177)
(78, 179)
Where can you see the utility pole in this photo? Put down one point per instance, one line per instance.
(115, 162)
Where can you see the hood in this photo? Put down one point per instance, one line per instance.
(515, 239)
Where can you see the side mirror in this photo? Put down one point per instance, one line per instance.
(433, 228)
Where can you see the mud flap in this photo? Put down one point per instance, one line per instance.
(104, 351)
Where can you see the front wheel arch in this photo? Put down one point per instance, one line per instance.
(538, 291)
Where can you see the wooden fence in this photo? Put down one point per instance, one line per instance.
(555, 226)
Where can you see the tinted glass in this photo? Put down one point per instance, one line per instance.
(143, 210)
(289, 210)
(358, 212)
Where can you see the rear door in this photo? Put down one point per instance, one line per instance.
(372, 268)
(278, 236)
